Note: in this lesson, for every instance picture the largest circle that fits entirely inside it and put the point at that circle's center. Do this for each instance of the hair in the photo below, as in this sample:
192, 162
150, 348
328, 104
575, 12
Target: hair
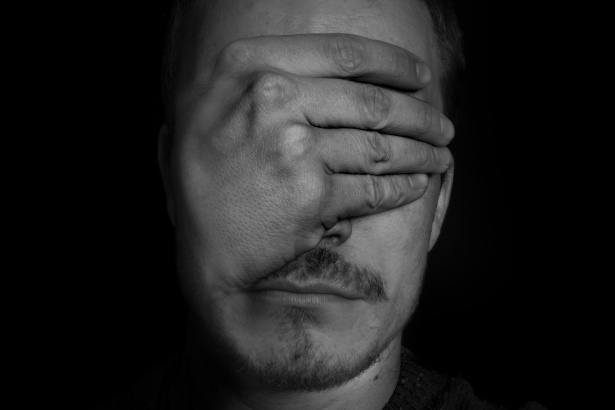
450, 50
445, 24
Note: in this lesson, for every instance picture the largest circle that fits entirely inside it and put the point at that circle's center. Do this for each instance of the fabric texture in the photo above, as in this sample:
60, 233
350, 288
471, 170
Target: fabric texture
418, 388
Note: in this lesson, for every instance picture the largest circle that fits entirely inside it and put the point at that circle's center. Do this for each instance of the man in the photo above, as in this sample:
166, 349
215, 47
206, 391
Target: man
302, 162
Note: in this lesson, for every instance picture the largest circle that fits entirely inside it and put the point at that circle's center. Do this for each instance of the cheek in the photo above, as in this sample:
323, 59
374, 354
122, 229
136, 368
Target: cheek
393, 240
403, 289
395, 244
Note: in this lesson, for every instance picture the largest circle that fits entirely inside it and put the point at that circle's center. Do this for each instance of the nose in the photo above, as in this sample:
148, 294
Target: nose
339, 233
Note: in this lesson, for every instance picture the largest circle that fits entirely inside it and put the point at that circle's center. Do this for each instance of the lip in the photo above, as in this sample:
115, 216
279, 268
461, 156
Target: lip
305, 291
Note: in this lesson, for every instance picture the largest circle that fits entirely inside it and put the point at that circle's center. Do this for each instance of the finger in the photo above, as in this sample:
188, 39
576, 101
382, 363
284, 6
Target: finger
352, 151
330, 55
360, 195
334, 103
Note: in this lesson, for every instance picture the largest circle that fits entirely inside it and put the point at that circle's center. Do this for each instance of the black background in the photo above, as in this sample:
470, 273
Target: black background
492, 305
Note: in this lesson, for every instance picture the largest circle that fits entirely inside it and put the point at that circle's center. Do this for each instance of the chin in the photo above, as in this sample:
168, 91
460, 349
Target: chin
298, 355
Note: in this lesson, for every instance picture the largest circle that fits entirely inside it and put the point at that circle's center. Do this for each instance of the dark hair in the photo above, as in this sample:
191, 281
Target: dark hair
450, 49
445, 25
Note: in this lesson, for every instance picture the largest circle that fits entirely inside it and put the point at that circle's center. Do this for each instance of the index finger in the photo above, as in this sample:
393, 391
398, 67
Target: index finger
331, 55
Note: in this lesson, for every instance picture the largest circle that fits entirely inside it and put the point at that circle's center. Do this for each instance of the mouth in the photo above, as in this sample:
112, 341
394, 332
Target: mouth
286, 292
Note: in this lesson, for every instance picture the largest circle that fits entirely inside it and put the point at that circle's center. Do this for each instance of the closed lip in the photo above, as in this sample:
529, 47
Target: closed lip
306, 288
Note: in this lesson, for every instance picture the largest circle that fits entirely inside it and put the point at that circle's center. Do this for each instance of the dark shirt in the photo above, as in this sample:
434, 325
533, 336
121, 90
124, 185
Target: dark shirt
418, 388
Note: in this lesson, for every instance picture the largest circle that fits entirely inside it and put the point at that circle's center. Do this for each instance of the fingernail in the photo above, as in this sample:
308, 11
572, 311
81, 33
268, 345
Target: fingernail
446, 127
423, 73
419, 181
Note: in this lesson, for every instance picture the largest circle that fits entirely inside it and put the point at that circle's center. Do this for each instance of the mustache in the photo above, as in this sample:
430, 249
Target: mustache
324, 265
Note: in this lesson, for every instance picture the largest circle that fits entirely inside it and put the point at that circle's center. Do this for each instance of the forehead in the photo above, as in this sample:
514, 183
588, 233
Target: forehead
405, 23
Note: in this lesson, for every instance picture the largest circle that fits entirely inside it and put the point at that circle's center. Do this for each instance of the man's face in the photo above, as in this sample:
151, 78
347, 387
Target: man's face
321, 346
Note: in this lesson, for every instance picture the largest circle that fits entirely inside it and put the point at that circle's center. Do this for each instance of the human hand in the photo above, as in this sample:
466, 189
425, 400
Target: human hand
292, 134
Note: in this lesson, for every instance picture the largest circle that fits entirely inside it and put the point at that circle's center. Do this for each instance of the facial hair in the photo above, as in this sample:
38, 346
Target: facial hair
303, 364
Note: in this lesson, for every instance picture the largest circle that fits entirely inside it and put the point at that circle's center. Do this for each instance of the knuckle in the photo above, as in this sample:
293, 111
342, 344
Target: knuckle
273, 89
237, 53
345, 53
374, 191
294, 143
402, 64
427, 119
423, 156
378, 149
397, 192
376, 106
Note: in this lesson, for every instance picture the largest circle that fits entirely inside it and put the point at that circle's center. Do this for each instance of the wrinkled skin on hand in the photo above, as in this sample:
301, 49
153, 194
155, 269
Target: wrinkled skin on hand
276, 151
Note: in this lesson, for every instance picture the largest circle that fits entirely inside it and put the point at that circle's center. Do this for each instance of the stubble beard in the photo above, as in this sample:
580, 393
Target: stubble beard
297, 359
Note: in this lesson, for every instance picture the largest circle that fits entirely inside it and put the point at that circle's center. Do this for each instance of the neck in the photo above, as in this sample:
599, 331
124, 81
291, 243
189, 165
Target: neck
202, 385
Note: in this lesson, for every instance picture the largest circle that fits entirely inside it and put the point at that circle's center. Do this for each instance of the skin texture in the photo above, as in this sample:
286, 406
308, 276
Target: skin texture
234, 220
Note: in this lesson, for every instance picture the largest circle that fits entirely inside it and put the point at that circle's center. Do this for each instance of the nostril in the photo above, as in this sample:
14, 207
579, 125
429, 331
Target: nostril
339, 234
